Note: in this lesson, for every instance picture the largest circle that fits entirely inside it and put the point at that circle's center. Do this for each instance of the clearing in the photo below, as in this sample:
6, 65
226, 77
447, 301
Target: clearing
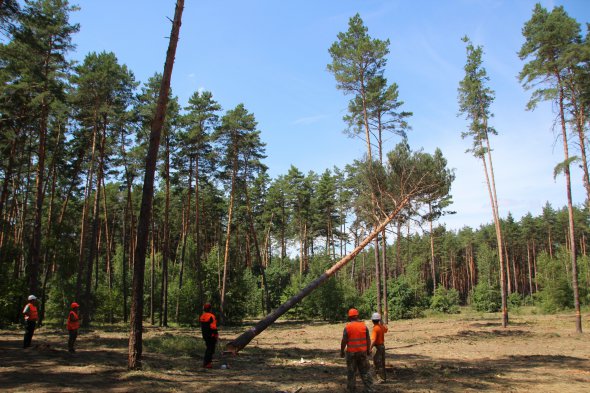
460, 353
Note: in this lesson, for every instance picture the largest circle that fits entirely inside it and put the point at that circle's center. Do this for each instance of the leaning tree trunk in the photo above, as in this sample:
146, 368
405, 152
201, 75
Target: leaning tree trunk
135, 335
243, 340
493, 199
166, 250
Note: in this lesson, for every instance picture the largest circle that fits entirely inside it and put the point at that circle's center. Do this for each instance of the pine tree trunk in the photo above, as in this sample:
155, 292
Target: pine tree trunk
570, 210
228, 234
135, 336
166, 250
385, 315
432, 266
198, 235
377, 275
86, 206
503, 286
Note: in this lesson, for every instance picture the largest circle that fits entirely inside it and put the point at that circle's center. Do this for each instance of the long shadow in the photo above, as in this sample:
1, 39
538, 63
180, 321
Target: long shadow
488, 374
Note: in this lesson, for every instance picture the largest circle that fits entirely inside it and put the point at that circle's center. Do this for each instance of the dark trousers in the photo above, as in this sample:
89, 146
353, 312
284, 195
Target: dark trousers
72, 340
210, 343
29, 331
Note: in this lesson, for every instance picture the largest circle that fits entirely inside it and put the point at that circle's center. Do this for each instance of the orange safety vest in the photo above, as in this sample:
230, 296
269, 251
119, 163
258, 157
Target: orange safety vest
32, 313
208, 318
356, 333
75, 325
378, 334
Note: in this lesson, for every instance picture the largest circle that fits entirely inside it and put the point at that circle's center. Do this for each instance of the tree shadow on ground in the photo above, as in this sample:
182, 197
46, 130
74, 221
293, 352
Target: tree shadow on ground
483, 375
101, 364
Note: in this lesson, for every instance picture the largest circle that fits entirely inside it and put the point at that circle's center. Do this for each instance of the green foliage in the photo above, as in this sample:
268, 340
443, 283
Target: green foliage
277, 279
405, 301
556, 293
11, 297
515, 300
302, 309
330, 301
486, 298
487, 265
445, 301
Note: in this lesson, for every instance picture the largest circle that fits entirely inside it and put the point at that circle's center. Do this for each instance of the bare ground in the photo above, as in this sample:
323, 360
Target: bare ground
464, 353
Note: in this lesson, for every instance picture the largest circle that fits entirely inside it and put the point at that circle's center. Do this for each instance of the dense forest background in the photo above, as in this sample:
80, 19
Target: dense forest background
73, 141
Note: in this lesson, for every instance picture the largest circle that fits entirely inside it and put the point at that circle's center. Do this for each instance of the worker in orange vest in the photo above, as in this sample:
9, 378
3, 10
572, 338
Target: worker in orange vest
210, 334
357, 342
73, 324
31, 318
378, 341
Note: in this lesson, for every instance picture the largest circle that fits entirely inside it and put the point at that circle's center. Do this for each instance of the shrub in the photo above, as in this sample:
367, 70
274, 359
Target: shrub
445, 301
485, 298
556, 292
515, 300
405, 302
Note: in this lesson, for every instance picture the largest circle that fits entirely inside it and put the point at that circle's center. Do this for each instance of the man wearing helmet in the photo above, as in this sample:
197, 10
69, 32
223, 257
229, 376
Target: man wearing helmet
31, 317
357, 342
73, 324
378, 341
210, 334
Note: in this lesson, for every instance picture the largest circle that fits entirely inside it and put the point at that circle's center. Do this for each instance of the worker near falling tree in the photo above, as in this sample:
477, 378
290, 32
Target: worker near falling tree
378, 341
210, 334
357, 343
73, 324
31, 317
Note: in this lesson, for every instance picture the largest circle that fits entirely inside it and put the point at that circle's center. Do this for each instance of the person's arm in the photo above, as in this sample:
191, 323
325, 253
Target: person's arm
213, 322
373, 338
26, 310
343, 343
369, 345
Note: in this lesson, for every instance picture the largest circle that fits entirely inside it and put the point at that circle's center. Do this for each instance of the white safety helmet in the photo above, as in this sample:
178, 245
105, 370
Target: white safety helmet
32, 297
376, 317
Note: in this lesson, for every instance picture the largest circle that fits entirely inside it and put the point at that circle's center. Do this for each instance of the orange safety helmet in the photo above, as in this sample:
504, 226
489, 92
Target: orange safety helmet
207, 307
353, 312
75, 305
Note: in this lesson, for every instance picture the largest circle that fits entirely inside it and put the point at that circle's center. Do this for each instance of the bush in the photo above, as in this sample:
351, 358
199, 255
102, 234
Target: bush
329, 302
485, 298
556, 293
405, 302
445, 301
515, 300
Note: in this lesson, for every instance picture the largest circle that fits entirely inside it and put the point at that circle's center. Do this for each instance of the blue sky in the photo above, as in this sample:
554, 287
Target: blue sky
272, 56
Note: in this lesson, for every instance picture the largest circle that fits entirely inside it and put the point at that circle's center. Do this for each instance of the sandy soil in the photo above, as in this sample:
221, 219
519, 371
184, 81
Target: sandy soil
464, 353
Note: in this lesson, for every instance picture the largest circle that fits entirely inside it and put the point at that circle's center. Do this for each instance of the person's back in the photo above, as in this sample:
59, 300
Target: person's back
356, 341
209, 332
31, 316
378, 341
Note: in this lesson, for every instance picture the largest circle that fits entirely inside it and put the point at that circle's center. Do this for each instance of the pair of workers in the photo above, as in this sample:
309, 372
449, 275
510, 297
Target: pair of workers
31, 316
358, 345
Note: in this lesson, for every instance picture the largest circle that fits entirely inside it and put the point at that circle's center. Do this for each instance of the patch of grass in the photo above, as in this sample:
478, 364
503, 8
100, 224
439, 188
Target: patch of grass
177, 346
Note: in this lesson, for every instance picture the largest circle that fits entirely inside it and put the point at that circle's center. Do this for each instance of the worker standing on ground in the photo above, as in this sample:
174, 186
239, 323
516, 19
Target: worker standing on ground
31, 318
210, 334
378, 341
357, 342
73, 324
